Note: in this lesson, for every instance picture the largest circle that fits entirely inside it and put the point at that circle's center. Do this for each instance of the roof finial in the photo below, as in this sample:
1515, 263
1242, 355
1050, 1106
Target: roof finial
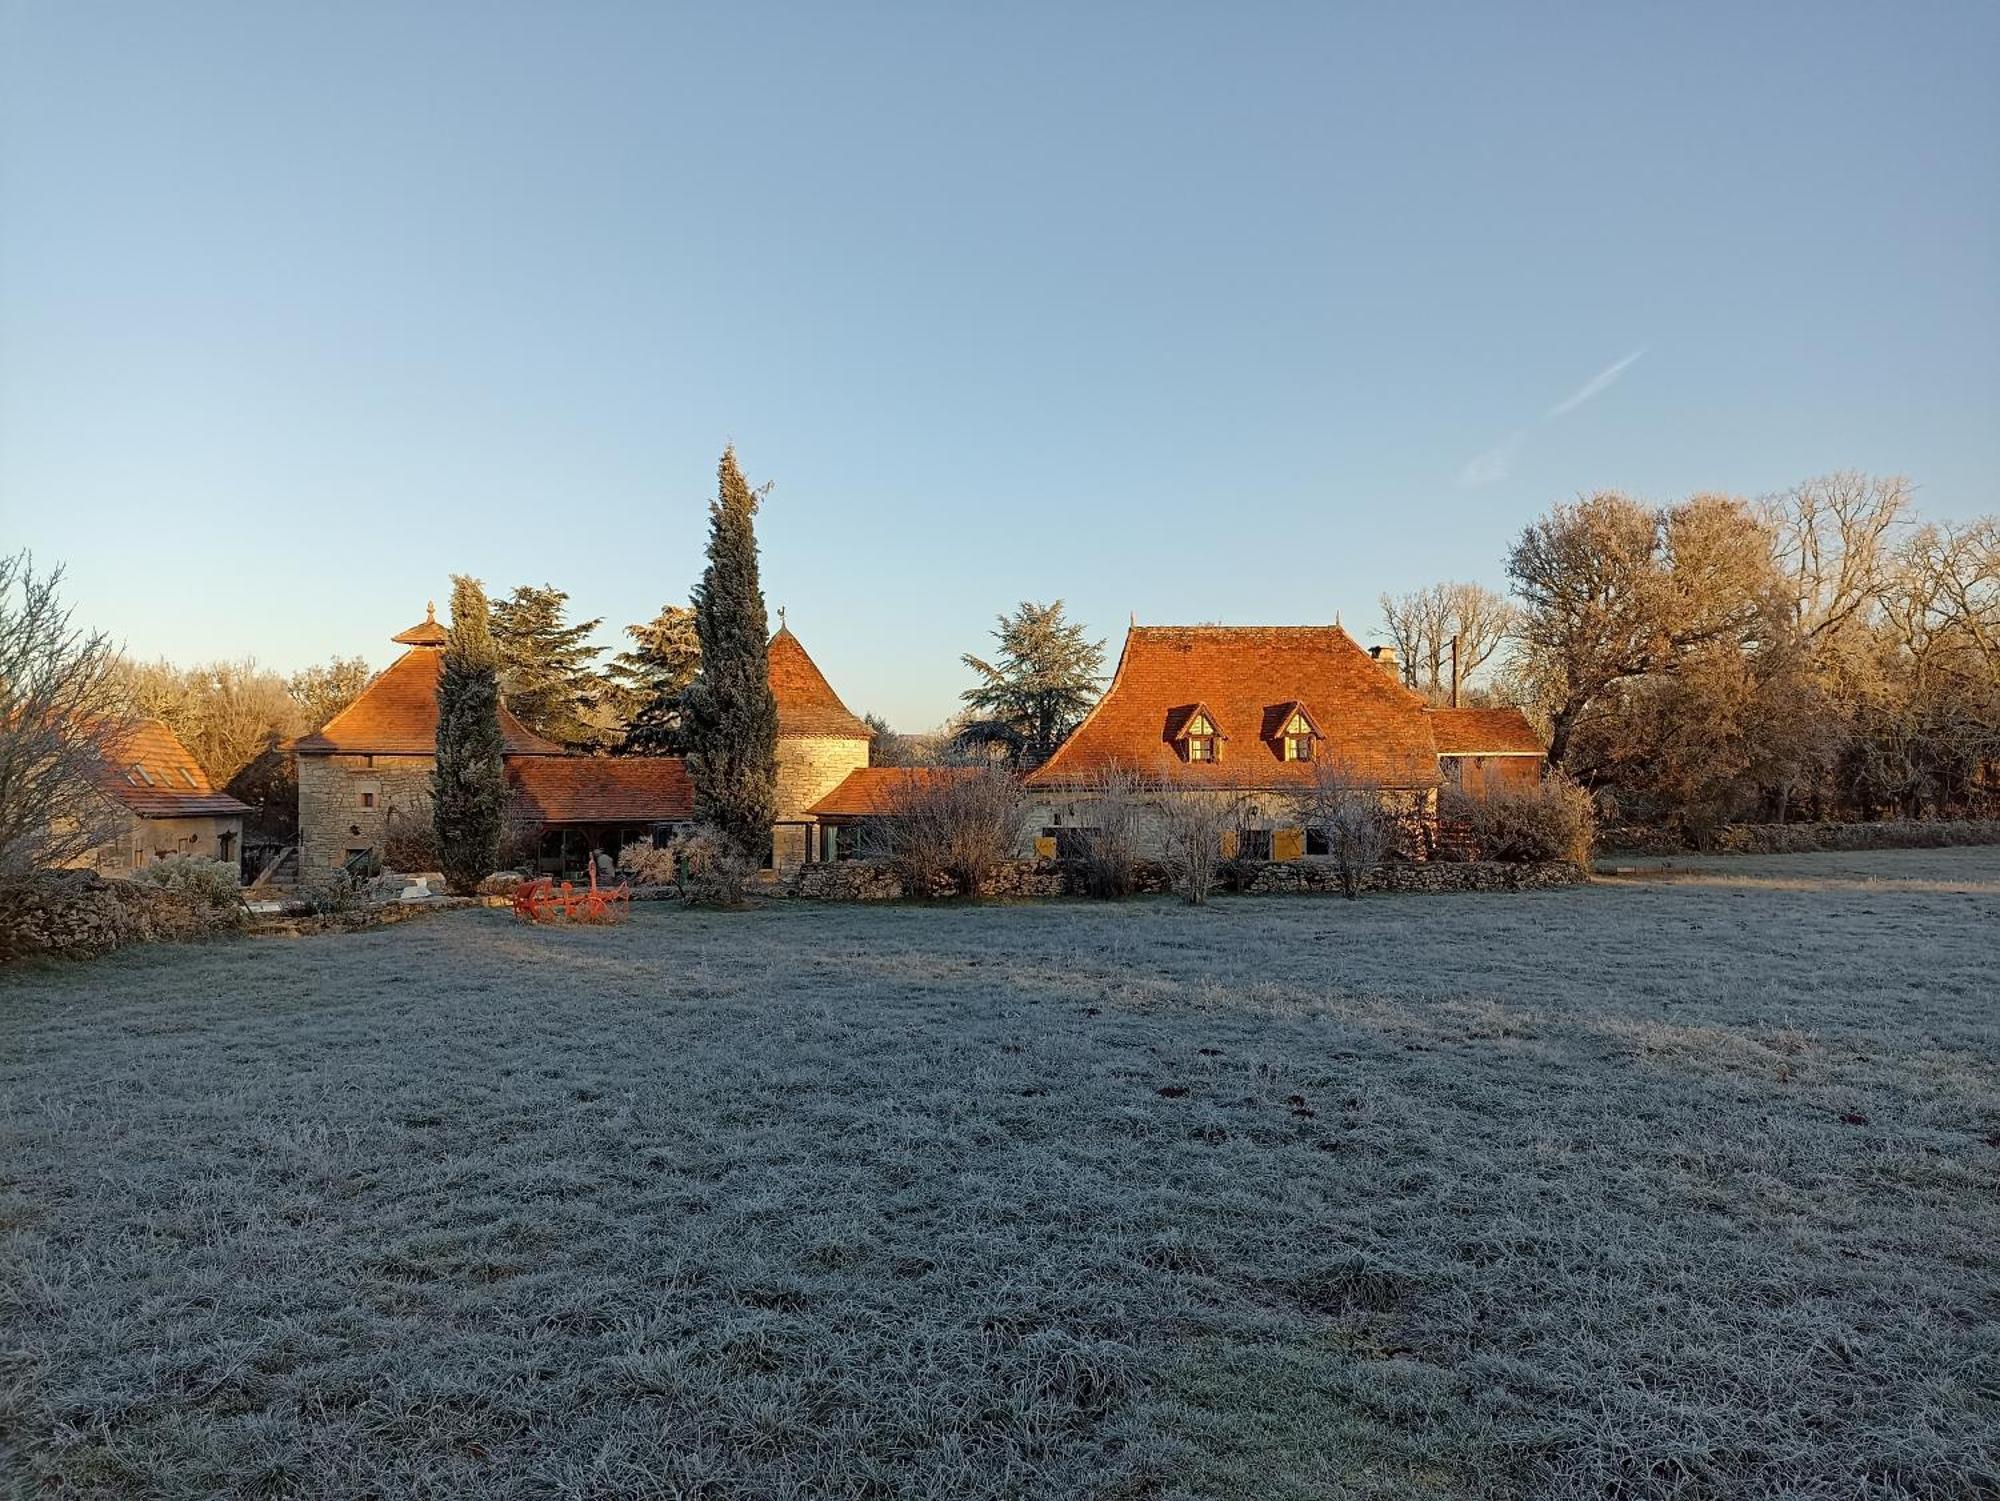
781, 617
1135, 620
430, 611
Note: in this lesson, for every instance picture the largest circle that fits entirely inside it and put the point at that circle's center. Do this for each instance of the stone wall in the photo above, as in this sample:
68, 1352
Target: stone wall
875, 881
75, 914
1266, 810
141, 841
811, 767
333, 821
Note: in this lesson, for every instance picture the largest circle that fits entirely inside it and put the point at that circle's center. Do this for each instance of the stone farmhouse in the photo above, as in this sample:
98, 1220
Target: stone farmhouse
1251, 713
162, 802
1257, 714
369, 767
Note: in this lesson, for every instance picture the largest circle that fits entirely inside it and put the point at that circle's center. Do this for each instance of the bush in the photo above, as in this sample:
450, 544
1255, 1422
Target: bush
411, 843
714, 872
951, 828
1350, 814
649, 865
215, 883
1193, 832
338, 891
1117, 810
1553, 820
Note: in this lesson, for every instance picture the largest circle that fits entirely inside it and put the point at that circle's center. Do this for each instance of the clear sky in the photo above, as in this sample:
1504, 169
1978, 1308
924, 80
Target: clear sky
1240, 313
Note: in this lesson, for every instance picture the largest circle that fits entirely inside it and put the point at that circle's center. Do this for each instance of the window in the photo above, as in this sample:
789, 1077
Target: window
367, 799
1254, 844
225, 847
1316, 841
1298, 737
1199, 739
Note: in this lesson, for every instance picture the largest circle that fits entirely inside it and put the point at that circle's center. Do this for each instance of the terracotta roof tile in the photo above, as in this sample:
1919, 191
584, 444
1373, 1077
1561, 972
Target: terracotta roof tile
1372, 726
807, 704
149, 771
396, 715
874, 790
600, 789
1485, 732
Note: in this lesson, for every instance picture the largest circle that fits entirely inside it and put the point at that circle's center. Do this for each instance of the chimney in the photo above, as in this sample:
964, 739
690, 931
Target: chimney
1385, 658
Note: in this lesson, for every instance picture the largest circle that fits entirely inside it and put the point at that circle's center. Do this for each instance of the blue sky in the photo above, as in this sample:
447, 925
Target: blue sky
1238, 313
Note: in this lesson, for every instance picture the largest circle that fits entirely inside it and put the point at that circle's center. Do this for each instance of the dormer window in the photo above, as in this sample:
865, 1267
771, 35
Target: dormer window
1196, 736
1299, 738
1291, 732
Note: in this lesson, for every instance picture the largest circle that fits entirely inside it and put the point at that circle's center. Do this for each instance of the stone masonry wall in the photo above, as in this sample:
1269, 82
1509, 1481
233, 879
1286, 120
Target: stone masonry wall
810, 768
333, 821
874, 881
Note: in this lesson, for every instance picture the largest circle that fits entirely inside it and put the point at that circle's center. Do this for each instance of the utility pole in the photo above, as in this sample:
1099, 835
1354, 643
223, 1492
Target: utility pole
1454, 669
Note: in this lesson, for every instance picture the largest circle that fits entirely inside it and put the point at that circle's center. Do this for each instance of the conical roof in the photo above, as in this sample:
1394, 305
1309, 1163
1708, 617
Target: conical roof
429, 633
397, 714
807, 705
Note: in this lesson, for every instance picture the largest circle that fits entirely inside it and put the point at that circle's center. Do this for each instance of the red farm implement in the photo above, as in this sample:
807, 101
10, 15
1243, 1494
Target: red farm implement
542, 900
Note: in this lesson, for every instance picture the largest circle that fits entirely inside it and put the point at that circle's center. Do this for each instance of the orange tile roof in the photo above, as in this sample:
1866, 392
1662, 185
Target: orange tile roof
396, 715
875, 790
807, 704
601, 789
1485, 732
1374, 728
149, 771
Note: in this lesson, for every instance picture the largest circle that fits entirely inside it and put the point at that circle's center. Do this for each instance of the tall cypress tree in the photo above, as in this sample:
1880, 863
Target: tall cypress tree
731, 721
468, 785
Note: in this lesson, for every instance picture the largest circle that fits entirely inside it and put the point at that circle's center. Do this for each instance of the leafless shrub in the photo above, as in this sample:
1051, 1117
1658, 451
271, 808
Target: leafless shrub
650, 864
1116, 806
1553, 820
1349, 813
410, 842
951, 825
1194, 832
53, 725
214, 883
713, 871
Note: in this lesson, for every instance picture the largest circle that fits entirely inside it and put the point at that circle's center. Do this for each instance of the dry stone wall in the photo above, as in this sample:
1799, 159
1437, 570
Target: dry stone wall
876, 881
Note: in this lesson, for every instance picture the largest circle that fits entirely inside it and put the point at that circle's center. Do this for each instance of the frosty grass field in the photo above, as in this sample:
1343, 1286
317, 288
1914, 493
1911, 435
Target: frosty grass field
1679, 1187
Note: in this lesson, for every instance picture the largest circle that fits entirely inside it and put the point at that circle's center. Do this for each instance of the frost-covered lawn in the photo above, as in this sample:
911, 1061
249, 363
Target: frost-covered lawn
1657, 1188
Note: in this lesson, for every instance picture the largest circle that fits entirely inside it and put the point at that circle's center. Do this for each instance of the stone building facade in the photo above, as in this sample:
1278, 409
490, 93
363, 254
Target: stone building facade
162, 803
820, 742
1259, 718
370, 766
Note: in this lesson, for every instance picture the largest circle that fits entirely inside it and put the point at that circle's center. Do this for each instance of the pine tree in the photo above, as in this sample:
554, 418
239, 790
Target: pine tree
547, 668
650, 681
731, 719
1042, 683
468, 786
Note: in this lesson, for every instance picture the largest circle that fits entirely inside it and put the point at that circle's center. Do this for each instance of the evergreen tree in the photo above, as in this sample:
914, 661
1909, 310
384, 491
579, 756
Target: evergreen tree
548, 668
468, 786
649, 681
1041, 684
731, 719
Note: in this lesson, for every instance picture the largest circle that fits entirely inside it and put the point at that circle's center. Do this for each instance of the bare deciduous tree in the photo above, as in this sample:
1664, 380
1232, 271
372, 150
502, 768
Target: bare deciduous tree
1349, 813
1424, 624
955, 825
1116, 804
1193, 830
55, 719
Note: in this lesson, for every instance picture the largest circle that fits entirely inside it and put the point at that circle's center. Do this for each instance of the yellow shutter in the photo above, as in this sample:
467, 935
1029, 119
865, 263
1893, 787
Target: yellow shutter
1229, 844
1287, 844
1045, 847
